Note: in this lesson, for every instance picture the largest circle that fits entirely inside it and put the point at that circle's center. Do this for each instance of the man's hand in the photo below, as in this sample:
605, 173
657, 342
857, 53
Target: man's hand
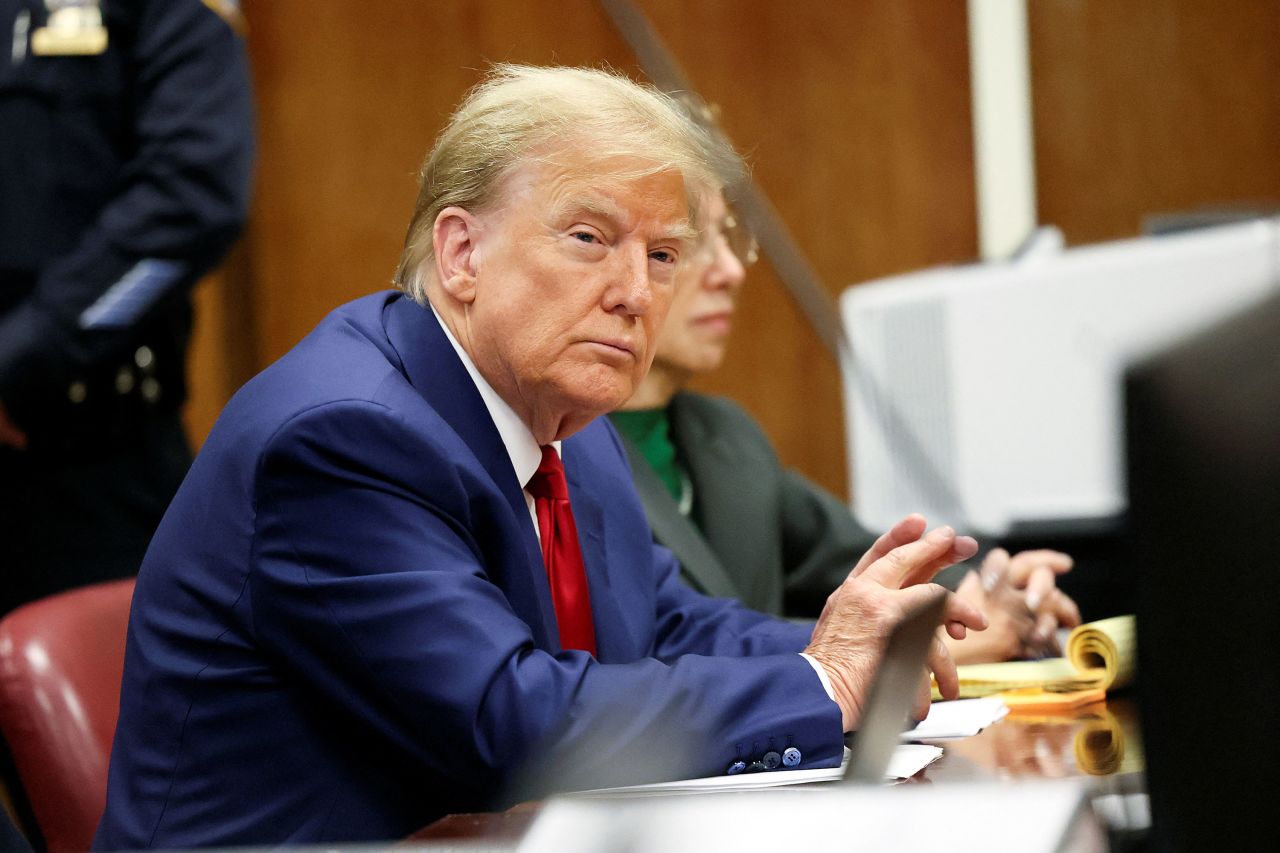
10, 434
909, 530
890, 582
1023, 604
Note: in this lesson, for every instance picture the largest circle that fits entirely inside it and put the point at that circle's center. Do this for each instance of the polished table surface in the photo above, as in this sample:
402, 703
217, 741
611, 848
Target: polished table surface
1099, 741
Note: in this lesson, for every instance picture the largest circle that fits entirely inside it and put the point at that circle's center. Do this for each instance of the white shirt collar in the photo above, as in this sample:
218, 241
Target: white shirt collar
522, 447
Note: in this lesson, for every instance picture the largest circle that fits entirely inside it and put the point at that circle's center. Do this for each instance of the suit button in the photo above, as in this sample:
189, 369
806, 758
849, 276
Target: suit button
736, 767
755, 767
771, 760
790, 757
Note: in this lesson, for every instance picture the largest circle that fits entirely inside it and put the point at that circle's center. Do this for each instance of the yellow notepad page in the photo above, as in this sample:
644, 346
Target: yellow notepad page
1099, 654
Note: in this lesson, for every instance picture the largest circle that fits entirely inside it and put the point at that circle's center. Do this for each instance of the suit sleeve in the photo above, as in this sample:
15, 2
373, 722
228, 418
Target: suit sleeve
369, 586
690, 622
179, 202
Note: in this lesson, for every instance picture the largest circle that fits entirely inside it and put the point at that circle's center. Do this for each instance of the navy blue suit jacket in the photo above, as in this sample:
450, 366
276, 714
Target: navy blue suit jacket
343, 628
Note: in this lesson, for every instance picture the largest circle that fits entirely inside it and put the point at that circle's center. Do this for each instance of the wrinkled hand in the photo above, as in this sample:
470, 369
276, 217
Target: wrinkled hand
10, 434
1023, 604
890, 582
909, 530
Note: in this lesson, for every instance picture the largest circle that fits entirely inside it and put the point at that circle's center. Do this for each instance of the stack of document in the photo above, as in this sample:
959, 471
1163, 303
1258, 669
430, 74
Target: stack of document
962, 718
1099, 654
908, 760
946, 720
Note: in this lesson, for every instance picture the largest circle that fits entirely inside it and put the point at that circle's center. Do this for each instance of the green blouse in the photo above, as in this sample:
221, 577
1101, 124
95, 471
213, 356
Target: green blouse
650, 431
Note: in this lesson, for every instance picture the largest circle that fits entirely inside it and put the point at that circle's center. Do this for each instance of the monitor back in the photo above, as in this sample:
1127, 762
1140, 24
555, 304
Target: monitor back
989, 396
1204, 481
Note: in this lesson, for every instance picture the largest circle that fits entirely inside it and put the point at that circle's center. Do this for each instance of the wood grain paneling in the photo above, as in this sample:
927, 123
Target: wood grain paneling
224, 346
1153, 106
854, 115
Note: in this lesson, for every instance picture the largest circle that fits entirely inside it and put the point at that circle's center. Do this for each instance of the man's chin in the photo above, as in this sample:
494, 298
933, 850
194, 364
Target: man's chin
580, 403
599, 402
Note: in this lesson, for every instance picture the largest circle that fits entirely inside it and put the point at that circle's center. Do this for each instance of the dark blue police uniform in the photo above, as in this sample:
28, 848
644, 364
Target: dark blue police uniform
124, 176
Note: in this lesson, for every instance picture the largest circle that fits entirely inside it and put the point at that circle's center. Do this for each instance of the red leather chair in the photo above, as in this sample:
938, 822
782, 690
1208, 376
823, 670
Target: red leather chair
61, 659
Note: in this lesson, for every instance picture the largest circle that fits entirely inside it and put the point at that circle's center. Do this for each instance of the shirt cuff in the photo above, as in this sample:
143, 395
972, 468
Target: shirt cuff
822, 676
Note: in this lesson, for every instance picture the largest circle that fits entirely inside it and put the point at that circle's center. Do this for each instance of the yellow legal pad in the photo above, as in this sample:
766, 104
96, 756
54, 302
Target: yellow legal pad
1099, 655
1038, 700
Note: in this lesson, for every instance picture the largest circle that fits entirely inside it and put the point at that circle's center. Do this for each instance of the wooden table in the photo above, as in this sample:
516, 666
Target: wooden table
1100, 741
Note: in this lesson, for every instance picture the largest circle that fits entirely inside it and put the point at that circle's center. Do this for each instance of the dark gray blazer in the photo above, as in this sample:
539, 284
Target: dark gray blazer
768, 536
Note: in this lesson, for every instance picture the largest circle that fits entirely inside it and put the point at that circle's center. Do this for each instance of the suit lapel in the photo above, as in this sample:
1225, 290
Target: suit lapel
739, 520
677, 532
436, 372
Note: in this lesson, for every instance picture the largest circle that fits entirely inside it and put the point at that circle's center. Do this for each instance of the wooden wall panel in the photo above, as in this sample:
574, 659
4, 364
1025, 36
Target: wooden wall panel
1153, 106
224, 346
855, 116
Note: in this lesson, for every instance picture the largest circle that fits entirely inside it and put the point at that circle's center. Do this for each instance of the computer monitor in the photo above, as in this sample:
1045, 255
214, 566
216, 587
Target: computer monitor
1203, 439
989, 396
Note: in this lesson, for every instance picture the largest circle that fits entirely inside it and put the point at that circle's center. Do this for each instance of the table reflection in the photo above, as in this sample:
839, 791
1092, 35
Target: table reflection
1097, 740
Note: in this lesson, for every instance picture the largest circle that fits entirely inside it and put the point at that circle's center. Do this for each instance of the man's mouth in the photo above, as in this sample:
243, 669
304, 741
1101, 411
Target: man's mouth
618, 345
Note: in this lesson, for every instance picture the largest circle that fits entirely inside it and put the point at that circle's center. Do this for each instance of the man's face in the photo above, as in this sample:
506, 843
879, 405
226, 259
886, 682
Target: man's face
575, 271
694, 338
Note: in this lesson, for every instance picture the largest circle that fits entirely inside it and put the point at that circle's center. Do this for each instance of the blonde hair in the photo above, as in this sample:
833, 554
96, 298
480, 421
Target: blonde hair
522, 113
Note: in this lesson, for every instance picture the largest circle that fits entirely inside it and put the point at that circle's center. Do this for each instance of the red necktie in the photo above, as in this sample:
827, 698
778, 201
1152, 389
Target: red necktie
560, 551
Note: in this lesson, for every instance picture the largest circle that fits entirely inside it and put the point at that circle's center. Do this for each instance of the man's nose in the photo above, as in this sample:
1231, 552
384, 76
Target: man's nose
630, 288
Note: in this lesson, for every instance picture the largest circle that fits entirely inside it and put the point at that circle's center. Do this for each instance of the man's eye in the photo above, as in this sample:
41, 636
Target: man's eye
585, 237
663, 256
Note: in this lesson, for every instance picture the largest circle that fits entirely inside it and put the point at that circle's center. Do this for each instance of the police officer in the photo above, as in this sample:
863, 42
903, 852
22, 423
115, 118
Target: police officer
126, 145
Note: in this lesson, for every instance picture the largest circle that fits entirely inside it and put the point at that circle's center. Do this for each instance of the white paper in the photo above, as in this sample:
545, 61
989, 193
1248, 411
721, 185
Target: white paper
961, 718
908, 760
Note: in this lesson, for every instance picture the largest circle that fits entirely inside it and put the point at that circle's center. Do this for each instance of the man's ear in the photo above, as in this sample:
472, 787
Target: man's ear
454, 236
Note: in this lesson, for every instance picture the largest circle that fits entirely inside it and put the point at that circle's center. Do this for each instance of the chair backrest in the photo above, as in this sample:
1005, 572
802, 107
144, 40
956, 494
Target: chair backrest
61, 661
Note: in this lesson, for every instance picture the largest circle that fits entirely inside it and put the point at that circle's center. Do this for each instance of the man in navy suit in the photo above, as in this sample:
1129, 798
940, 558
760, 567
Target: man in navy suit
346, 627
